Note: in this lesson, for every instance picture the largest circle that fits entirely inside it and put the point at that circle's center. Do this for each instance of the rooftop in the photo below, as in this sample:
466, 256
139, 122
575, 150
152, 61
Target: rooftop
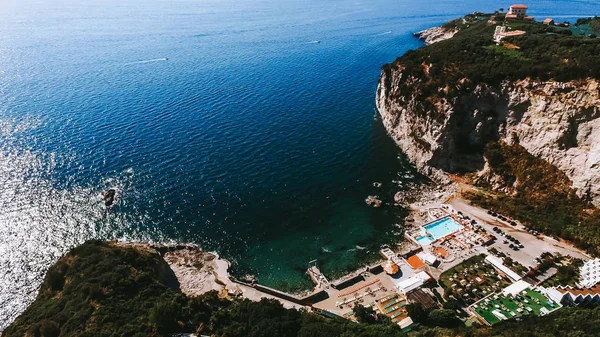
513, 33
497, 262
588, 291
519, 6
415, 262
497, 308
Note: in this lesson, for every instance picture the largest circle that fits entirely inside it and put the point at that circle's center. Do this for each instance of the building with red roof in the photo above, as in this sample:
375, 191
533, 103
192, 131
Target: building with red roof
519, 10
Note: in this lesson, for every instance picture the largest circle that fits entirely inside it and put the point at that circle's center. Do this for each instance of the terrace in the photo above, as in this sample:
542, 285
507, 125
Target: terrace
393, 306
473, 279
499, 307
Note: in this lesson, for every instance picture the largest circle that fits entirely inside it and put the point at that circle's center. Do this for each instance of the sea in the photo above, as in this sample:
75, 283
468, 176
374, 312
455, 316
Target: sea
248, 127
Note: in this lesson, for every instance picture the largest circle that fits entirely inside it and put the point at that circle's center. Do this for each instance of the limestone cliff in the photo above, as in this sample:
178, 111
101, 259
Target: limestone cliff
556, 121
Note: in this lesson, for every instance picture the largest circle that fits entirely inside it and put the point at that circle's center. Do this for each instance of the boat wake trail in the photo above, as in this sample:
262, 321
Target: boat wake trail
148, 61
314, 42
384, 33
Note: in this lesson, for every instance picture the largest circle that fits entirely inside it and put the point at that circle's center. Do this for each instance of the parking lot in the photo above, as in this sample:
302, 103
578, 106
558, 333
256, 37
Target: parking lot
533, 246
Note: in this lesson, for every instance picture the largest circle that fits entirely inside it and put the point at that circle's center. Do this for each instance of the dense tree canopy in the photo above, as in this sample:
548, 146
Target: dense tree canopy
117, 291
542, 53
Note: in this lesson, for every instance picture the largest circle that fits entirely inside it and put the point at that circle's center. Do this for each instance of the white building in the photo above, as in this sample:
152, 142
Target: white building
497, 262
519, 10
413, 282
516, 288
429, 258
501, 33
571, 295
589, 273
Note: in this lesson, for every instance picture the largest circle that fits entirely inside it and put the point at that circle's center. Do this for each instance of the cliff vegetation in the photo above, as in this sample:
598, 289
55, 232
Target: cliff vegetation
537, 193
544, 53
100, 289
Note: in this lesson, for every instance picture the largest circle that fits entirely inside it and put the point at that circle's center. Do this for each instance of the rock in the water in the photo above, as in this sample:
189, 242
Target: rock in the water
376, 184
108, 196
373, 200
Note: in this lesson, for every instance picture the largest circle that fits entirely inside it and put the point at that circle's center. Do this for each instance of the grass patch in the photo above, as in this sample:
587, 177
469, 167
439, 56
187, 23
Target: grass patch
468, 271
509, 305
502, 50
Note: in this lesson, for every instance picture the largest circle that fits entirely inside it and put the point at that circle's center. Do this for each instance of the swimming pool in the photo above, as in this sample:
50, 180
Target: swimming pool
424, 240
442, 227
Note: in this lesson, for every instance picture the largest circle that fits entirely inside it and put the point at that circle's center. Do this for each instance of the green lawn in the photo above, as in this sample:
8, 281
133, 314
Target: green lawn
485, 310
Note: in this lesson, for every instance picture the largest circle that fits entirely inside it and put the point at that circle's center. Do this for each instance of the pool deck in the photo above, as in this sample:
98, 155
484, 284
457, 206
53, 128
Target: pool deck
425, 240
459, 245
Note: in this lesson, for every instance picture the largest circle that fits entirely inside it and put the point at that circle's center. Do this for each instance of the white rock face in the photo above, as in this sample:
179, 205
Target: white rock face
435, 34
562, 126
556, 121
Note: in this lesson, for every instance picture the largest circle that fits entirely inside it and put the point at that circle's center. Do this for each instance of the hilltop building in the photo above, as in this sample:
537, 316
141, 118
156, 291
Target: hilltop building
518, 11
501, 33
548, 21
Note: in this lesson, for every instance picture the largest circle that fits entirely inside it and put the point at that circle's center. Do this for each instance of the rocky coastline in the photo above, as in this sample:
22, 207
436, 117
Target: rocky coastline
556, 121
197, 271
435, 34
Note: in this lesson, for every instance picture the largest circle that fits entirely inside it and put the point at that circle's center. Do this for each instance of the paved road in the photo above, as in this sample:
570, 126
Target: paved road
534, 246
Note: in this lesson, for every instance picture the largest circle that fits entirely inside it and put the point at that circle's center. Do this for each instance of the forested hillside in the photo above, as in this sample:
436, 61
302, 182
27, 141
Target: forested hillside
100, 289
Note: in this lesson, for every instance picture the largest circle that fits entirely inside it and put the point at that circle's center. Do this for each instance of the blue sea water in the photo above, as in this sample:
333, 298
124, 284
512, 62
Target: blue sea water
248, 127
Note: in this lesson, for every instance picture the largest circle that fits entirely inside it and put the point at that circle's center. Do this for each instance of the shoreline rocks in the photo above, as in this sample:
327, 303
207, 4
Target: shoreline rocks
558, 122
435, 34
373, 201
196, 270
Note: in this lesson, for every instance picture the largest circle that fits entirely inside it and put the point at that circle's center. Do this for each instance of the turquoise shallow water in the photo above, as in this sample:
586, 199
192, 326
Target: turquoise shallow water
248, 127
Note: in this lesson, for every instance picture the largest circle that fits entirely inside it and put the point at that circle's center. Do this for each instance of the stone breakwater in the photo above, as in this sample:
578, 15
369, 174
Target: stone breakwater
556, 121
